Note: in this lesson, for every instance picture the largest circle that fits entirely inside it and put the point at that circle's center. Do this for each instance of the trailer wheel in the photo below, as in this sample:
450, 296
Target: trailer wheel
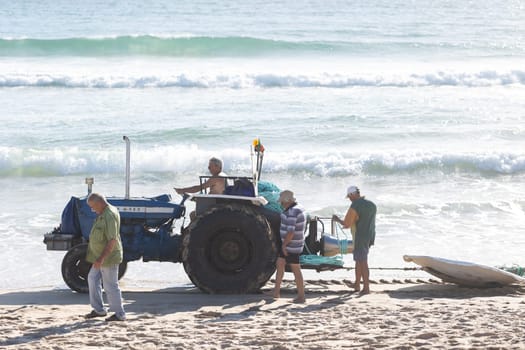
229, 249
75, 268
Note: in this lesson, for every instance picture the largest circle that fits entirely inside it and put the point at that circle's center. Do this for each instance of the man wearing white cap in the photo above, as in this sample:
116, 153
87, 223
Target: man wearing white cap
362, 214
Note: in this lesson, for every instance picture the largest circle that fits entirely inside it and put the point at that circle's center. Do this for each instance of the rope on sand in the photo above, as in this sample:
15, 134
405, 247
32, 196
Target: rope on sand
381, 281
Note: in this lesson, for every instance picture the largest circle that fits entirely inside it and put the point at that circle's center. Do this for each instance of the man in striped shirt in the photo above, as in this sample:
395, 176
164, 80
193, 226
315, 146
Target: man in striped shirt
292, 243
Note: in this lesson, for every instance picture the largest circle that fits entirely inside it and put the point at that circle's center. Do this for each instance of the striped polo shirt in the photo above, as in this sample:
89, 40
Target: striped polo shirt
293, 220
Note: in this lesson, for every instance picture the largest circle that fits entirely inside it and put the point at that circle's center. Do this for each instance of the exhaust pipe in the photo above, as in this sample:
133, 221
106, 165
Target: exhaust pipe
126, 139
89, 182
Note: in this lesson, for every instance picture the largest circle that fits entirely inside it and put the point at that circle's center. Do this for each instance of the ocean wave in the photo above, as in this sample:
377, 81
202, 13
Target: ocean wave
447, 210
188, 46
191, 159
235, 46
268, 80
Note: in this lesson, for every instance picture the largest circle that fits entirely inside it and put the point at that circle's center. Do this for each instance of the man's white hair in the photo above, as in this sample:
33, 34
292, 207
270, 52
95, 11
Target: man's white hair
97, 197
287, 196
216, 161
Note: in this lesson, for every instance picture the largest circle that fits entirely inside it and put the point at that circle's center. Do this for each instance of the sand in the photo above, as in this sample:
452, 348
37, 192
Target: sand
393, 316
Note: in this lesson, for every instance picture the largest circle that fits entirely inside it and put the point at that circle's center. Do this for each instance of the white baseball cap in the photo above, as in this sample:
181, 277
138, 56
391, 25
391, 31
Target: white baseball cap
351, 190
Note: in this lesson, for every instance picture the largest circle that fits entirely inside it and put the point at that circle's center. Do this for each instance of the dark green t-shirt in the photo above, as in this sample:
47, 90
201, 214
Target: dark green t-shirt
105, 228
366, 225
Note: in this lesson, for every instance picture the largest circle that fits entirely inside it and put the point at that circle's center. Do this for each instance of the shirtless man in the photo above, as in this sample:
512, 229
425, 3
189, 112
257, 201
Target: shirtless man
215, 184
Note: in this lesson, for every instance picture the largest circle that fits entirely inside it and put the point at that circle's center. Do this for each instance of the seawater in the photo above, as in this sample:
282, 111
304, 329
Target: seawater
421, 105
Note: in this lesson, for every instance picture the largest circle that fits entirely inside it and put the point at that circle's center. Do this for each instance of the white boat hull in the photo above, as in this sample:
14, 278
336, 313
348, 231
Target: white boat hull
464, 273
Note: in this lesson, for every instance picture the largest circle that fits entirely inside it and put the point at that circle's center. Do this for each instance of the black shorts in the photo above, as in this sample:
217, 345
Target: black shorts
290, 258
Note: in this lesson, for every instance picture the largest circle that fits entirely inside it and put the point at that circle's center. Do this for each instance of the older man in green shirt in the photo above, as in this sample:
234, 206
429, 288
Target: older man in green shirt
105, 253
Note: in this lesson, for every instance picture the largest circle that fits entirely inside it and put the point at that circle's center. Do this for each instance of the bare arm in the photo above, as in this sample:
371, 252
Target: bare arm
191, 189
287, 240
350, 219
210, 183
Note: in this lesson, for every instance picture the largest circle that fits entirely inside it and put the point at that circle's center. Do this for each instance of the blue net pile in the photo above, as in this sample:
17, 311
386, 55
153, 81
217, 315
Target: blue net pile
271, 193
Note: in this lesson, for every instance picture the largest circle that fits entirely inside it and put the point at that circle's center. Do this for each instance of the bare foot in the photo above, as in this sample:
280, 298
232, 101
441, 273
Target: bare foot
364, 292
353, 286
299, 300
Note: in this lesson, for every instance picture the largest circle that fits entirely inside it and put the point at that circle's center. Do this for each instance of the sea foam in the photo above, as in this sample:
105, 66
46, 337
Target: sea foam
183, 159
266, 80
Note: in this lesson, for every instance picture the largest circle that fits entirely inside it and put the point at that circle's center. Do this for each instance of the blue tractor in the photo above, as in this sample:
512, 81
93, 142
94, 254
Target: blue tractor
230, 245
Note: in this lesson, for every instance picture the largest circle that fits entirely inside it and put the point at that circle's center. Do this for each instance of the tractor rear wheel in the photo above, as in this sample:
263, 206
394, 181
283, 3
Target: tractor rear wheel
229, 249
75, 268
